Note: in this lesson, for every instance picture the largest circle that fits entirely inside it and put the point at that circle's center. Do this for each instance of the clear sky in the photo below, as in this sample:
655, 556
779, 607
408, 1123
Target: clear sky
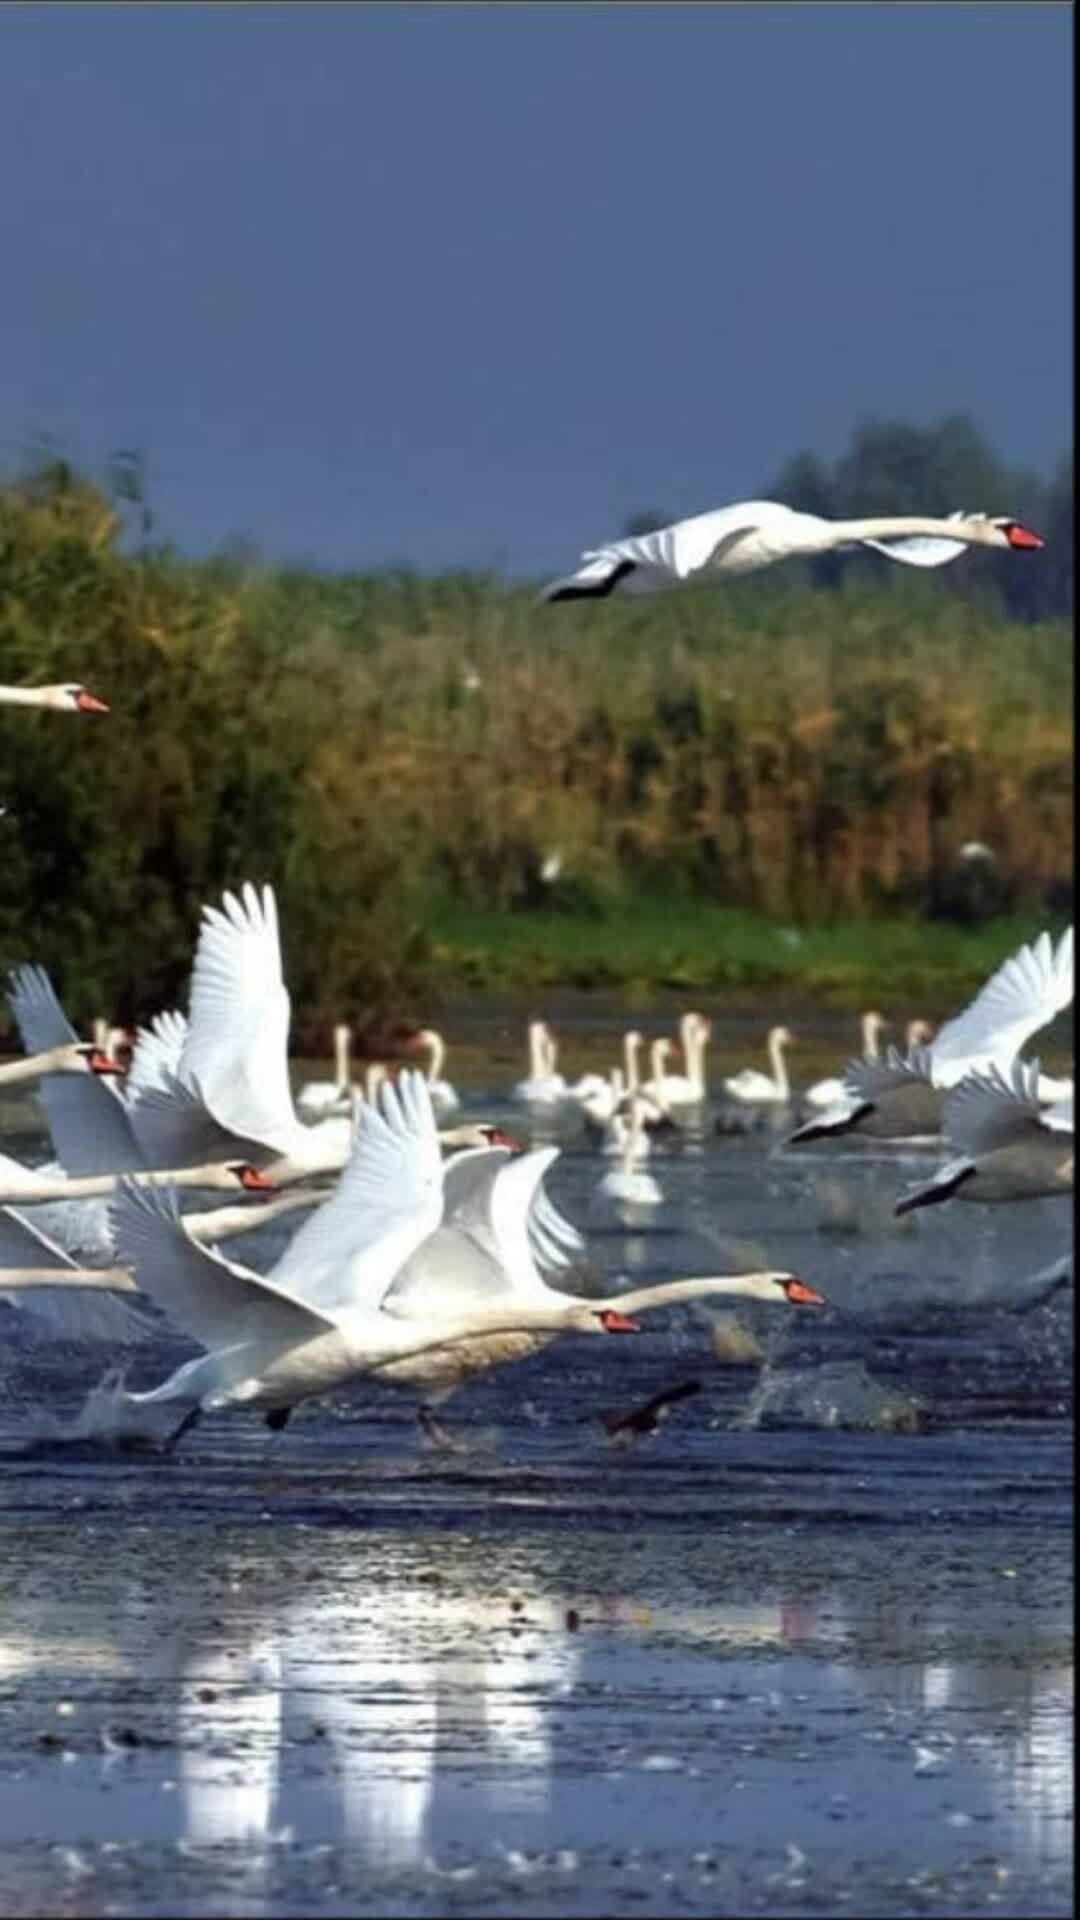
468, 284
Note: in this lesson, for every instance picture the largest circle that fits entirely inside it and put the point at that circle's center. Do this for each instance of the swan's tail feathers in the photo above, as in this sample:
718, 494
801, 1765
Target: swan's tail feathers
944, 1184
595, 579
920, 549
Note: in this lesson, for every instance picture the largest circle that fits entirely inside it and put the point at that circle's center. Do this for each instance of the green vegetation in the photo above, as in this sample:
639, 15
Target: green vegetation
405, 758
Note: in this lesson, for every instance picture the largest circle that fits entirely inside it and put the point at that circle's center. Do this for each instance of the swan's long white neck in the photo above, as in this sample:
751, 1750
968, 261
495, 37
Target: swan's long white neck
631, 1050
871, 1026
110, 1279
838, 533
536, 1050
436, 1056
738, 1286
693, 1037
30, 697
342, 1063
93, 1186
54, 1060
775, 1045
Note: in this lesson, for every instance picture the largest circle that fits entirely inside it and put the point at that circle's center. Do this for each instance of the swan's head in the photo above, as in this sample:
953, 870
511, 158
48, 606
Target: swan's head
73, 698
777, 1287
98, 1059
997, 530
1018, 537
610, 1320
782, 1037
249, 1177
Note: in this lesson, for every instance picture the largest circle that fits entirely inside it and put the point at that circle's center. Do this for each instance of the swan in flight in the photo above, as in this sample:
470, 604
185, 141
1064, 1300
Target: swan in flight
319, 1317
348, 1298
753, 1086
1008, 1146
826, 1093
68, 697
900, 1097
756, 533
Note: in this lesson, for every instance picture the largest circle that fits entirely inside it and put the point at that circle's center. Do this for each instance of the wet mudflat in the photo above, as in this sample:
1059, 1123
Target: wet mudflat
786, 1656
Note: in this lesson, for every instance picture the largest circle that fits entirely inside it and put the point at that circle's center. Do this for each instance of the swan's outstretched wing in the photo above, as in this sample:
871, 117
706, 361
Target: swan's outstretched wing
157, 1052
1025, 993
921, 549
216, 1301
867, 1080
175, 1128
996, 1108
554, 1240
235, 1054
512, 1198
387, 1201
89, 1125
70, 1313
468, 1179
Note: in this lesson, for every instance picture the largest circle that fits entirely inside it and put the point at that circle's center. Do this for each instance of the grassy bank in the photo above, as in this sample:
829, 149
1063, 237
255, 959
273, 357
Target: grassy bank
639, 948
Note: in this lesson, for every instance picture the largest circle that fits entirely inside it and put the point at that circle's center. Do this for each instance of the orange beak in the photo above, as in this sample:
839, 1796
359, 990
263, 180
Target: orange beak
99, 1062
614, 1322
500, 1138
89, 702
801, 1295
255, 1182
1023, 538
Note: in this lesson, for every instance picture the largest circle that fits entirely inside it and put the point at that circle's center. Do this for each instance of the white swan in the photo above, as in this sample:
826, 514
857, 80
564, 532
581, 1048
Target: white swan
68, 697
28, 1186
317, 1098
443, 1097
542, 1086
756, 533
627, 1190
668, 1090
600, 1104
1009, 1147
825, 1093
753, 1086
346, 1298
900, 1098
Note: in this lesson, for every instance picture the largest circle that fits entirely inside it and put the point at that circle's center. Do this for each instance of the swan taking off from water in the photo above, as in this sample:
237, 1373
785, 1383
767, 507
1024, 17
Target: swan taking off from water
900, 1098
1009, 1146
68, 697
757, 533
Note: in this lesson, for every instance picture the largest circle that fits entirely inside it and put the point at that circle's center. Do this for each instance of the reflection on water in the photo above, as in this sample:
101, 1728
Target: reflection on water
423, 1699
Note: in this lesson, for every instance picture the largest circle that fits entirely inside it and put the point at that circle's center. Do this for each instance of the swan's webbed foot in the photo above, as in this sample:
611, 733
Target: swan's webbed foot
278, 1418
191, 1416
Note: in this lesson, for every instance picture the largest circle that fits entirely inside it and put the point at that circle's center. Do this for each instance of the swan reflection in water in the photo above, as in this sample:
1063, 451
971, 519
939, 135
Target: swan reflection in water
378, 1700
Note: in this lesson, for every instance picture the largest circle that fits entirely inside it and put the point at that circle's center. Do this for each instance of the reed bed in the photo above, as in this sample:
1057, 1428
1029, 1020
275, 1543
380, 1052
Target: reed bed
394, 751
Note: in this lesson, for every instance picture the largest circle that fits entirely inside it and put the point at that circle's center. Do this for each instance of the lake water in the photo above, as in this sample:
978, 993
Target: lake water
807, 1649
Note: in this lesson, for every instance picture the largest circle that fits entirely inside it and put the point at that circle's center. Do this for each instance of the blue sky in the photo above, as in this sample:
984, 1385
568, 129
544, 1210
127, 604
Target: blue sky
466, 285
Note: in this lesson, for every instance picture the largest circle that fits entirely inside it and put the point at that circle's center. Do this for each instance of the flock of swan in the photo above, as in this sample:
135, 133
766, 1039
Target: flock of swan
431, 1253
